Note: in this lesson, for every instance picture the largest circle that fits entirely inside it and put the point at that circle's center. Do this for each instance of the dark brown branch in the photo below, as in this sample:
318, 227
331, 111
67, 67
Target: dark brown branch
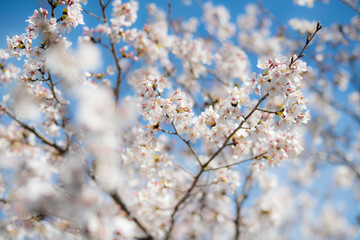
52, 88
113, 51
101, 43
308, 40
239, 205
171, 22
106, 4
267, 12
39, 135
237, 129
64, 121
51, 3
216, 76
355, 79
123, 206
197, 177
117, 199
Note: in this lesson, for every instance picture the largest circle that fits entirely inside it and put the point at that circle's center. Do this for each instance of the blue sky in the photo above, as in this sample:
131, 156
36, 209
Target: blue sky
14, 13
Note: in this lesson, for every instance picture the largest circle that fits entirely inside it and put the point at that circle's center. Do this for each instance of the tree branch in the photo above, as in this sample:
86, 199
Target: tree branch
197, 177
38, 134
258, 157
123, 206
93, 15
171, 22
117, 199
352, 6
113, 51
240, 203
188, 144
308, 40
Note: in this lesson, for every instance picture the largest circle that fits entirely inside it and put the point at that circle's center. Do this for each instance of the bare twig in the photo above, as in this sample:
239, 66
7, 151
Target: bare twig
51, 3
166, 131
258, 157
338, 105
171, 22
308, 40
93, 15
352, 6
239, 204
271, 16
64, 121
188, 144
216, 76
182, 168
52, 87
106, 4
113, 51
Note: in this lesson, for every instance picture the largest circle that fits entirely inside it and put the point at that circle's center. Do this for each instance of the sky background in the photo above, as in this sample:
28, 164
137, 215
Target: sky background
14, 13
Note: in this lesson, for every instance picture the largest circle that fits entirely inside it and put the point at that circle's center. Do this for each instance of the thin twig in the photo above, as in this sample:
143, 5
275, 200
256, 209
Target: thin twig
188, 144
104, 45
113, 51
352, 6
64, 121
182, 168
216, 76
124, 207
93, 15
308, 40
271, 16
106, 4
52, 8
258, 157
166, 131
240, 203
338, 105
269, 111
171, 22
52, 87
237, 129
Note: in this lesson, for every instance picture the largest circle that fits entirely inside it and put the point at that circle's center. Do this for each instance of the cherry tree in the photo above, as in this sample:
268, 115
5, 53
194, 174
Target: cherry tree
164, 130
